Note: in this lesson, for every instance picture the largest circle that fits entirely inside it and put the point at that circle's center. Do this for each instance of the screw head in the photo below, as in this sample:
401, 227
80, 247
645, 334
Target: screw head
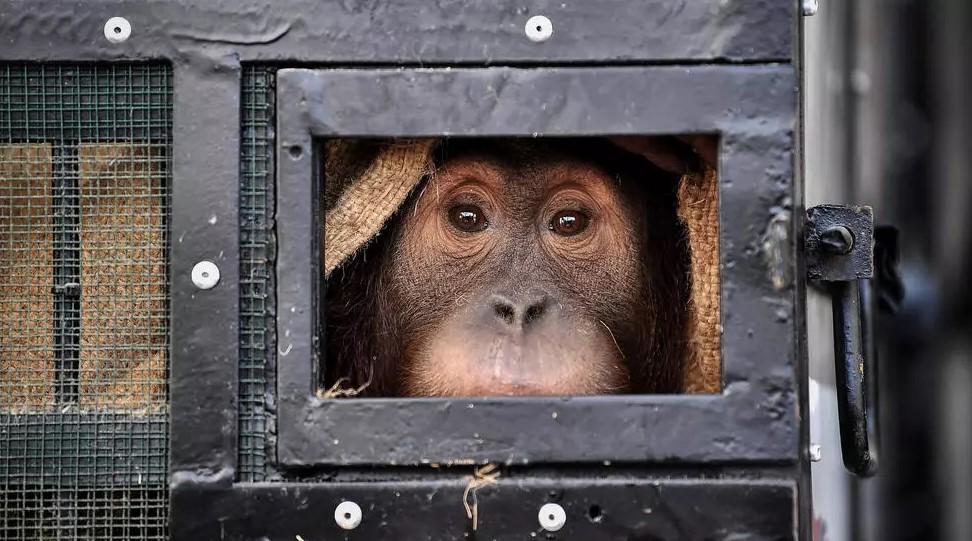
538, 28
118, 29
552, 517
347, 515
837, 240
205, 275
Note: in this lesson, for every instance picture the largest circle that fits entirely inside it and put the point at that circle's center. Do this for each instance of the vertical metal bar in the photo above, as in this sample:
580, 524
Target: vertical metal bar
67, 271
204, 373
804, 485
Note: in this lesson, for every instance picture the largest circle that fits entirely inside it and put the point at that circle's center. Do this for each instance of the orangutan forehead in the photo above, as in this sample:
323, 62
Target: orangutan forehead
530, 154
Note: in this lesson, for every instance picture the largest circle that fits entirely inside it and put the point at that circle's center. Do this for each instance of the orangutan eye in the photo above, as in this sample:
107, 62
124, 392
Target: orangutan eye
468, 218
568, 223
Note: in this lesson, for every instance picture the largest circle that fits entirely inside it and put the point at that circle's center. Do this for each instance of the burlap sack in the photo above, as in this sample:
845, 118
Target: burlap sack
26, 266
367, 181
123, 308
698, 207
124, 316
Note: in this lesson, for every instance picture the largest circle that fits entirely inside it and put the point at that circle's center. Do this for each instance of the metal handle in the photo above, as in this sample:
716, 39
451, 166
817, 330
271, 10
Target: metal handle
855, 371
840, 256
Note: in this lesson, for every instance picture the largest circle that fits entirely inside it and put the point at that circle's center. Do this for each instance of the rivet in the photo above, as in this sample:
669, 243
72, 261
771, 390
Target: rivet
809, 8
816, 452
552, 517
118, 29
205, 275
538, 28
347, 515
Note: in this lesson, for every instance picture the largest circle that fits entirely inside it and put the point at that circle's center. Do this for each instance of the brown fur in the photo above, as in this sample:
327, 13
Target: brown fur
415, 313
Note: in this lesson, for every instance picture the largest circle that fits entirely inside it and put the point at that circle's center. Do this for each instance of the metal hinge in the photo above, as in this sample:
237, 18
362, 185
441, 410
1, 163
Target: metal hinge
68, 289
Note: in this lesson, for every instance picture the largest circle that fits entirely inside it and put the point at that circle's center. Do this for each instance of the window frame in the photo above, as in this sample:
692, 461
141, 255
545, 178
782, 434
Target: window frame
752, 110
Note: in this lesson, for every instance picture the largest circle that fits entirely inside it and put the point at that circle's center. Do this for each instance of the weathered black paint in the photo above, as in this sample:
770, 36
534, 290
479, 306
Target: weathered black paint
826, 264
638, 509
402, 32
205, 226
207, 41
751, 108
858, 444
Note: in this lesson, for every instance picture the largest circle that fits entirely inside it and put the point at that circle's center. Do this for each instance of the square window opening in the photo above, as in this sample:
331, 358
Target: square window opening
517, 266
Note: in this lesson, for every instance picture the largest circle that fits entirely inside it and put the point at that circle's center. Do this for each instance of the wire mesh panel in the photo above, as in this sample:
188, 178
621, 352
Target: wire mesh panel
84, 338
27, 341
256, 288
122, 263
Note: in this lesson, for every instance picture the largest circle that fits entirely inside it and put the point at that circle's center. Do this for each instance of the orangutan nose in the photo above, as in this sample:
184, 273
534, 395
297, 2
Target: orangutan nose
520, 311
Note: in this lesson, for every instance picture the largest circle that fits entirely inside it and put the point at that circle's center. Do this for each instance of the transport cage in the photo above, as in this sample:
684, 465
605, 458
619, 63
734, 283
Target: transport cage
85, 182
160, 170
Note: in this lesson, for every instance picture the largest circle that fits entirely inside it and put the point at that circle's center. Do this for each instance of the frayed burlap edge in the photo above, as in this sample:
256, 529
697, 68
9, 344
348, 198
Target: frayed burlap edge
367, 182
698, 207
359, 200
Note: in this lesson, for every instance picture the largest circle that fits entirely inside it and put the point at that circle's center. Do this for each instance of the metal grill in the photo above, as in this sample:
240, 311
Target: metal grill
256, 287
84, 338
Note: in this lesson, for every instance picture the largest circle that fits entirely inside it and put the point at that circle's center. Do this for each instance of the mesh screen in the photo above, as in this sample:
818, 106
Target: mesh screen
84, 199
256, 287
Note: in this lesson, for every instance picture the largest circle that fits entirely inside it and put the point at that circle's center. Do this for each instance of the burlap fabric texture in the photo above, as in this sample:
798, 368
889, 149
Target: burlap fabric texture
366, 182
122, 317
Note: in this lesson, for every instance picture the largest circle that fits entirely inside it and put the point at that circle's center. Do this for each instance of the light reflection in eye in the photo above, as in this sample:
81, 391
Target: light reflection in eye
468, 218
568, 223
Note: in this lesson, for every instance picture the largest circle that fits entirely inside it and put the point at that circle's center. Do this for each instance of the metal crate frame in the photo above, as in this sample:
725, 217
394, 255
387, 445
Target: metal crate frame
207, 43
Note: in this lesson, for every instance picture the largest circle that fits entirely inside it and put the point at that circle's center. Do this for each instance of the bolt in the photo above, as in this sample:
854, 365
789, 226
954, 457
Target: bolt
810, 8
837, 240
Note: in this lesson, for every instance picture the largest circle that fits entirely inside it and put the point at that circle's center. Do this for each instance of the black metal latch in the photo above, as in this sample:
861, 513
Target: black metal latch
840, 257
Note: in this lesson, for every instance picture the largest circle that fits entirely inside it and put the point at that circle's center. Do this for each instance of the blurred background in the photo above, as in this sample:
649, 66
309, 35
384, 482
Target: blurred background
889, 124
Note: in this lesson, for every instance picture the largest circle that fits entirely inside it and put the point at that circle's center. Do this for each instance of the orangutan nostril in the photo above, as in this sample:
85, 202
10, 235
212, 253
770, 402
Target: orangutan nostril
504, 311
534, 312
